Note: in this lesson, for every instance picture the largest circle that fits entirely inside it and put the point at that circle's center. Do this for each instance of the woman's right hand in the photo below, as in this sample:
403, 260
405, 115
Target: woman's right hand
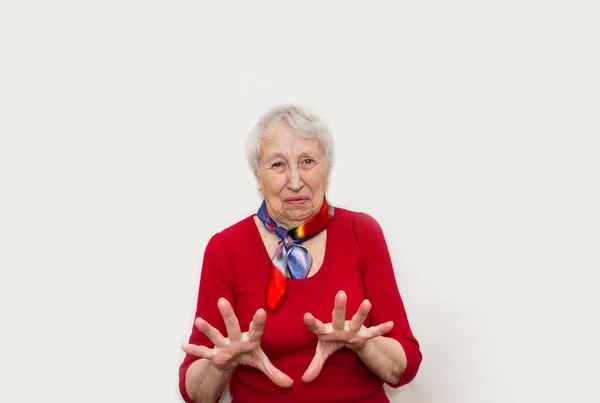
237, 347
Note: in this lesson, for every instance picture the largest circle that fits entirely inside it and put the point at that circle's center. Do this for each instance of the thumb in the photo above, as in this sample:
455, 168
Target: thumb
314, 369
273, 373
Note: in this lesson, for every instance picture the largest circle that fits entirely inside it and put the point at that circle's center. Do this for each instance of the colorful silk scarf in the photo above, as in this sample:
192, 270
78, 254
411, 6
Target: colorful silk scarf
290, 255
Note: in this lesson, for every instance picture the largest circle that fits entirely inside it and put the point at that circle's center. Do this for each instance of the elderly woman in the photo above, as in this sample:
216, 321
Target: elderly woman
268, 285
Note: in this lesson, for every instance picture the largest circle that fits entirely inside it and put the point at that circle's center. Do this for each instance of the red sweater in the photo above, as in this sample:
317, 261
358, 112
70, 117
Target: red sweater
236, 266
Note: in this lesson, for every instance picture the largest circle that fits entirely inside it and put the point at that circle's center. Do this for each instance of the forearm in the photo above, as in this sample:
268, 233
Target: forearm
385, 357
204, 382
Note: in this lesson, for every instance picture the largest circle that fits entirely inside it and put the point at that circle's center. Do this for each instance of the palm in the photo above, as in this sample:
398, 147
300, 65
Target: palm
340, 333
237, 348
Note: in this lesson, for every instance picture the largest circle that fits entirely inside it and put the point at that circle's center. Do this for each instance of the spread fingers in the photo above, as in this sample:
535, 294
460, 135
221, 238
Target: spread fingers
212, 333
199, 351
231, 321
359, 317
314, 324
257, 326
339, 311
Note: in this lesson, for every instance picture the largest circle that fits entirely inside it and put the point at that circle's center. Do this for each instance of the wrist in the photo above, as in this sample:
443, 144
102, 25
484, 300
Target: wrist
362, 348
224, 369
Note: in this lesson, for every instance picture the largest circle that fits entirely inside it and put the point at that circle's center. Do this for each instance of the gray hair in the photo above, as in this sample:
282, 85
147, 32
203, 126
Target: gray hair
303, 123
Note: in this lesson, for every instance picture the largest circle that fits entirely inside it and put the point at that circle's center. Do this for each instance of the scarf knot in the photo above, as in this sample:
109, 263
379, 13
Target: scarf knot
290, 256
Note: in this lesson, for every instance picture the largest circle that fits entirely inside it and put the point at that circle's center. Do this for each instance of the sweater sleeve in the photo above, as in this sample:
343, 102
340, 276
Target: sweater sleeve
381, 290
216, 281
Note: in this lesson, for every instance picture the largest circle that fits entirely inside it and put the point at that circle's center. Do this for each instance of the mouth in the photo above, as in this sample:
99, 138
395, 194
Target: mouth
297, 200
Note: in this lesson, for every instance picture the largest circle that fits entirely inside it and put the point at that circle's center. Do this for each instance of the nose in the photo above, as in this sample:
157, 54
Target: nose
295, 182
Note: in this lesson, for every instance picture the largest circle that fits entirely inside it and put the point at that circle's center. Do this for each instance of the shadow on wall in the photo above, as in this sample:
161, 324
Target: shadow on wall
458, 338
226, 396
414, 392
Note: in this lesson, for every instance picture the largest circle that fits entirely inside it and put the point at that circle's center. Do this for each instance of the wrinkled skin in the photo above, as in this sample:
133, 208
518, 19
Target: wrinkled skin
237, 348
340, 333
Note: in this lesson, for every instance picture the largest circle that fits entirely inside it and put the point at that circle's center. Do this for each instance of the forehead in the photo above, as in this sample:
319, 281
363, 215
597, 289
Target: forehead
281, 139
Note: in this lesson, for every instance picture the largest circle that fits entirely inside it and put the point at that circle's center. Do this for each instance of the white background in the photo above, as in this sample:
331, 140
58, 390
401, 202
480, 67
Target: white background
468, 129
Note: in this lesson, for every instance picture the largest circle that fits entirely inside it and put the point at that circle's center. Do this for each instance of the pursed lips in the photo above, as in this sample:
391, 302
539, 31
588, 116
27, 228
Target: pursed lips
297, 200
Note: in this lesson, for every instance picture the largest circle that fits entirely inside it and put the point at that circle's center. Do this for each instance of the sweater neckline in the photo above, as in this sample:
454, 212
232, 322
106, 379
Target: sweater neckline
291, 281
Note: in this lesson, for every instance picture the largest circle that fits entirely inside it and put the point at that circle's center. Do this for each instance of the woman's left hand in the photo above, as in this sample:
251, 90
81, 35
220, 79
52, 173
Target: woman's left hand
340, 333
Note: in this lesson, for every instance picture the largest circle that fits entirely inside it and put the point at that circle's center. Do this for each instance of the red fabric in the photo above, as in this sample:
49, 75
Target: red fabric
316, 223
236, 266
277, 288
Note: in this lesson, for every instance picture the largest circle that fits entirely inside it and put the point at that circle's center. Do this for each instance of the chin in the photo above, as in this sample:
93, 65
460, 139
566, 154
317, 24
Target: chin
299, 214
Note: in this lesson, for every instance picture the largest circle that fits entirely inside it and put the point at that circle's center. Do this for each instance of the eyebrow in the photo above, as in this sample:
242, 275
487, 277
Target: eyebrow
276, 155
282, 156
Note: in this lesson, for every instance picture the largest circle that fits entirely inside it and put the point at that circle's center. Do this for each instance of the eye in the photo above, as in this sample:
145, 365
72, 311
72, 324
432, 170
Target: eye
307, 161
278, 164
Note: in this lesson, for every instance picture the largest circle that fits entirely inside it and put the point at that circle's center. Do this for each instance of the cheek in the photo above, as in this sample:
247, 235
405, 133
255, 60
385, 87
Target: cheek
274, 183
317, 182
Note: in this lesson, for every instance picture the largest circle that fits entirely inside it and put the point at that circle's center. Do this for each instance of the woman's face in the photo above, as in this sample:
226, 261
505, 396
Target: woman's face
292, 175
